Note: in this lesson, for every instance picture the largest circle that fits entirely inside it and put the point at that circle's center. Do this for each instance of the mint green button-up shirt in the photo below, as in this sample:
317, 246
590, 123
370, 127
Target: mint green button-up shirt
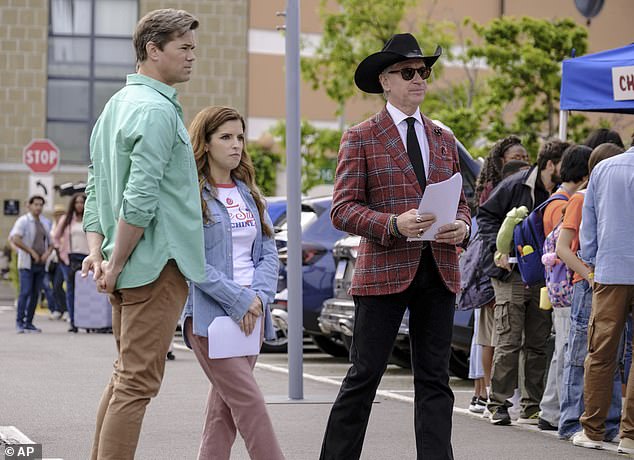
143, 171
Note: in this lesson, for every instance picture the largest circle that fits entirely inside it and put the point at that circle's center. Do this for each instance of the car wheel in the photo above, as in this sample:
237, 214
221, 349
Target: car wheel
329, 346
280, 324
459, 363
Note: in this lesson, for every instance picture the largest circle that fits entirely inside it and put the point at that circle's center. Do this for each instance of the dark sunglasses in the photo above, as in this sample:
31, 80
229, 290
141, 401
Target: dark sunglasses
408, 73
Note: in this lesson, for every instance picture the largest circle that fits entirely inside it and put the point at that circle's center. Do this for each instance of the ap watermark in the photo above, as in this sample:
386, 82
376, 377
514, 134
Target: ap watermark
23, 452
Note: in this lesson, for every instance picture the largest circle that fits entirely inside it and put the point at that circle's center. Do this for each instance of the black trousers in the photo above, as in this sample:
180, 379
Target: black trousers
377, 319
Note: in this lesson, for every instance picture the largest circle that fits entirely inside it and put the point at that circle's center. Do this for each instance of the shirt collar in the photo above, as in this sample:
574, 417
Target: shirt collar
166, 90
239, 185
398, 116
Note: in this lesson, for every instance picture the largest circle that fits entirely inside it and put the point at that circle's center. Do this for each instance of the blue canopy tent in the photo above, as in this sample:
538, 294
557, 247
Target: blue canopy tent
599, 82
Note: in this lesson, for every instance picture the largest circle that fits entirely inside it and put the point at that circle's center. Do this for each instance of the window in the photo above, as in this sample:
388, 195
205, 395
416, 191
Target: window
89, 55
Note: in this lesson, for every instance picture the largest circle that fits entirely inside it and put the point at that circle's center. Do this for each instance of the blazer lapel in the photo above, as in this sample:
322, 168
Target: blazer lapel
437, 149
386, 132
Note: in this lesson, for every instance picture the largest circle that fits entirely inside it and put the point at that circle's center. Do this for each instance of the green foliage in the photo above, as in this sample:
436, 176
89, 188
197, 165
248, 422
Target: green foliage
525, 56
13, 272
318, 150
265, 162
520, 97
353, 31
458, 107
578, 127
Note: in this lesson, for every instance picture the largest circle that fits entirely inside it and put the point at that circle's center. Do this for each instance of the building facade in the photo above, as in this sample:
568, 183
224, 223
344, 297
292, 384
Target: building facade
63, 59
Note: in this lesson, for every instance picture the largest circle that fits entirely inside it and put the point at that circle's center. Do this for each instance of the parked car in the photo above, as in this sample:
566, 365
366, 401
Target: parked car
276, 207
318, 270
337, 316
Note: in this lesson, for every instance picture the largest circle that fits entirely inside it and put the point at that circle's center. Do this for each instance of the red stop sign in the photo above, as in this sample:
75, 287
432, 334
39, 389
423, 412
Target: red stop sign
41, 155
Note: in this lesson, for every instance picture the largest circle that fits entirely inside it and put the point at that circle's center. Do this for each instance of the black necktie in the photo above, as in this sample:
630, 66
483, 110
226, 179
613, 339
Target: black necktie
415, 155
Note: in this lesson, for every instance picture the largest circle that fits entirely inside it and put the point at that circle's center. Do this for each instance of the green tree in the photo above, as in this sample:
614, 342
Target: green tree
265, 162
319, 151
525, 56
460, 107
354, 29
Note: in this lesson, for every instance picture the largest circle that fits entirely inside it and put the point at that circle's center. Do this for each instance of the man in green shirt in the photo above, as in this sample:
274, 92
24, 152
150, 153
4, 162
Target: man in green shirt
143, 222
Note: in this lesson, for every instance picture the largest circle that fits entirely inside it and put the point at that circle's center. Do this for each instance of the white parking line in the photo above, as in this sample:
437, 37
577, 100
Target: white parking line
11, 435
611, 447
317, 378
394, 394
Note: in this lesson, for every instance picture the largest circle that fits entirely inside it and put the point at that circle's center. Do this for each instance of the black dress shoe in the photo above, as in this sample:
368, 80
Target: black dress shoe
73, 329
545, 425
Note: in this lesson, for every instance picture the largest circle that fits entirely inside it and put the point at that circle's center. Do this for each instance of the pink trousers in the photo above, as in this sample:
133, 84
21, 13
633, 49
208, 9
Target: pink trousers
235, 401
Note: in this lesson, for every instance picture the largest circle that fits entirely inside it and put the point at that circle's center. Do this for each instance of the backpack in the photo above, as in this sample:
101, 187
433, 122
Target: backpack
528, 240
558, 276
476, 290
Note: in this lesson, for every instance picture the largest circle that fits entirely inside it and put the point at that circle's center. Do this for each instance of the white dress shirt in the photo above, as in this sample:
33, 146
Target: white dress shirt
399, 120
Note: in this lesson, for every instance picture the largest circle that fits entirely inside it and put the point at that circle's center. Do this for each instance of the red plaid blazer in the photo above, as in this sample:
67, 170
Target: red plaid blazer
374, 179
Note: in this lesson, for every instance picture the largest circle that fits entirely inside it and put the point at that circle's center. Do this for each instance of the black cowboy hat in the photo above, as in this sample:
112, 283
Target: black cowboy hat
399, 47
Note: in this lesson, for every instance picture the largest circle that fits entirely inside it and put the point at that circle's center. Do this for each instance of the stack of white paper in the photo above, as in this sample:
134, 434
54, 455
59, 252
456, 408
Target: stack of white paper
226, 340
440, 199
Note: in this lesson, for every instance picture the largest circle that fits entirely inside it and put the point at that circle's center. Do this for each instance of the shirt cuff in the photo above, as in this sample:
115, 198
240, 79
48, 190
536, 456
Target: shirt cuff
135, 216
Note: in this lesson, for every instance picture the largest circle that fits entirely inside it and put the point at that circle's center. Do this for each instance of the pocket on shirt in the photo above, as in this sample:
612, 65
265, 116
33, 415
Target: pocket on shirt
184, 152
213, 232
183, 135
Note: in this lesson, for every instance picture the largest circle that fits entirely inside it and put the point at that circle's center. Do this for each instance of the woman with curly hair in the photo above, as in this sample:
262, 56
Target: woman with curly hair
504, 150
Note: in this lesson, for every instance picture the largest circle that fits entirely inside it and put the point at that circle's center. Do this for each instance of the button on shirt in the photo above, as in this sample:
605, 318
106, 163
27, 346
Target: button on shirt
143, 171
399, 119
607, 220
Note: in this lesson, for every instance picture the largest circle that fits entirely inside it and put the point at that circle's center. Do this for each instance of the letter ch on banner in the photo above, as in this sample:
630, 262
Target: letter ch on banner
623, 83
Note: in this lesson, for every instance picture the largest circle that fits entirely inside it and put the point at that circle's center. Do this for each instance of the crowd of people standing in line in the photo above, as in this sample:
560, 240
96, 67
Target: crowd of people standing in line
513, 326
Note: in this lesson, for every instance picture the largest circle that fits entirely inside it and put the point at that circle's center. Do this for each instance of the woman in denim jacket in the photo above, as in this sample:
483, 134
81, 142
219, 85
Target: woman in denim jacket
241, 267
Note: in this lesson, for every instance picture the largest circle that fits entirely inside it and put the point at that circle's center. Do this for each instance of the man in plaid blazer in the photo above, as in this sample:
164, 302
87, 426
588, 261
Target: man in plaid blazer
383, 168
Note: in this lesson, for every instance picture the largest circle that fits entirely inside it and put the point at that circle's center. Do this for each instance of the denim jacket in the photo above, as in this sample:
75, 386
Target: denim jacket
219, 295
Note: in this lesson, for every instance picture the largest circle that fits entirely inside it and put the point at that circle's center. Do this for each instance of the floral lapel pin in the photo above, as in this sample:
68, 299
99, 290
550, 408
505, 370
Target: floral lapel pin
437, 131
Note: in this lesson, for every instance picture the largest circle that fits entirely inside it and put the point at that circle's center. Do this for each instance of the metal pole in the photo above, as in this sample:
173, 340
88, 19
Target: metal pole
293, 187
563, 125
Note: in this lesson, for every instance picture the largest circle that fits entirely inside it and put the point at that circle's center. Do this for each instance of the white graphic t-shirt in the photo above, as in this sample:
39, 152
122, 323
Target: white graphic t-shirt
243, 232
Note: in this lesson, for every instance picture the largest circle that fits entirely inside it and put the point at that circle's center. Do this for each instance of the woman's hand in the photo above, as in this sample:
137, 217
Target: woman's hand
247, 323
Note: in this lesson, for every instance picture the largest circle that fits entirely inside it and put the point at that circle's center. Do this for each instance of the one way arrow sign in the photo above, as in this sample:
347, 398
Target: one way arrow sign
42, 185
